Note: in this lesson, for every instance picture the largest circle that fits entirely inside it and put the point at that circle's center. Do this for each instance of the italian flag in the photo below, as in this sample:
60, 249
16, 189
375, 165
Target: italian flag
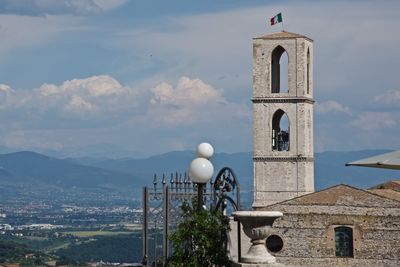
276, 19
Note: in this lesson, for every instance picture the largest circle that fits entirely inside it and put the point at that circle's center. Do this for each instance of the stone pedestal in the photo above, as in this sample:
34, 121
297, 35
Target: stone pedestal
238, 264
257, 226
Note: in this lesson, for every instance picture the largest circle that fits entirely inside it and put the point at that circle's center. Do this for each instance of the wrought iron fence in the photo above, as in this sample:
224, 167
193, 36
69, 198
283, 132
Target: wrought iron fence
161, 207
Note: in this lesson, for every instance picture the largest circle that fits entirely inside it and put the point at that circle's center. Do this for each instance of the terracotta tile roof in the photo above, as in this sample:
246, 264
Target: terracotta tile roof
282, 35
389, 193
344, 195
394, 185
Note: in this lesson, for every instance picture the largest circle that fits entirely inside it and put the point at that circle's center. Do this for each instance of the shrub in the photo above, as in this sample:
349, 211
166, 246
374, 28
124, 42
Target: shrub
200, 239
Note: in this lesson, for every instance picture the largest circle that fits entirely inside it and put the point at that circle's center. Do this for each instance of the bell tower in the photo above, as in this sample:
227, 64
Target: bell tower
283, 153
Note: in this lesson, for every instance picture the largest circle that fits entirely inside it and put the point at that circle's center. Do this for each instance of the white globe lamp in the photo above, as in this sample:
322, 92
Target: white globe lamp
201, 170
205, 150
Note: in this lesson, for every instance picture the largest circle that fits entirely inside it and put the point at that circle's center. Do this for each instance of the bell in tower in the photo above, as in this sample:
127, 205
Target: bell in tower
283, 117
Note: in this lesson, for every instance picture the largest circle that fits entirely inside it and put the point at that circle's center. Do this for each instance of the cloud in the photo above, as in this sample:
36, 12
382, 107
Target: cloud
5, 88
49, 7
371, 121
207, 45
389, 98
96, 86
26, 32
101, 102
331, 106
78, 105
188, 92
98, 98
26, 140
191, 101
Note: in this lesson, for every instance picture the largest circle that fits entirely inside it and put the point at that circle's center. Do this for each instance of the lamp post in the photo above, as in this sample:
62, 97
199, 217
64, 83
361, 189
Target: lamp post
201, 170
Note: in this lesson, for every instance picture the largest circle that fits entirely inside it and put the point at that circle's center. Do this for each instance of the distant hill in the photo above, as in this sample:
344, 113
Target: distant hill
330, 167
132, 174
31, 167
176, 161
330, 170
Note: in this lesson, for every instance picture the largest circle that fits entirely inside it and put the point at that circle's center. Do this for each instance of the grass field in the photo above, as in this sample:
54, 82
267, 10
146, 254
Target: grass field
133, 226
96, 233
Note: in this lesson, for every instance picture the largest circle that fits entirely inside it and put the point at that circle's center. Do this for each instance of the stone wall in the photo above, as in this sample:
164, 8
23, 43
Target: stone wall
309, 237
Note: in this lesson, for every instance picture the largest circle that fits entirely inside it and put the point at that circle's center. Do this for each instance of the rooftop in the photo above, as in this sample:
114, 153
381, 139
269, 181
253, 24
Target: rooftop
389, 193
282, 35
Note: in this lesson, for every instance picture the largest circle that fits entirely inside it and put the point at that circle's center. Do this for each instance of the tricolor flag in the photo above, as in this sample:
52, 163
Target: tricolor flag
276, 19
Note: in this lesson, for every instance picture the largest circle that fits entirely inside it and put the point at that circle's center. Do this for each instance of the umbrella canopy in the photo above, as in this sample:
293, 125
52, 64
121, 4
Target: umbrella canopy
387, 161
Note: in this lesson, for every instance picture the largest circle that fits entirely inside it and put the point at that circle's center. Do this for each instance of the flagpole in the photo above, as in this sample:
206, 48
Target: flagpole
282, 26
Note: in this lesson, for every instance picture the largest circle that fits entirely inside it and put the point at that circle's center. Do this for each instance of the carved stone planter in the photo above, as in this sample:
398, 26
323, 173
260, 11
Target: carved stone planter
257, 226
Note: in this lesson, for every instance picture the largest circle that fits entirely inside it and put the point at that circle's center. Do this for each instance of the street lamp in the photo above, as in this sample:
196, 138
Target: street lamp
201, 170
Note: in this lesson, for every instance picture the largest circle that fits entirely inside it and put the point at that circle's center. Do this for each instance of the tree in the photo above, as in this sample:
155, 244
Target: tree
200, 239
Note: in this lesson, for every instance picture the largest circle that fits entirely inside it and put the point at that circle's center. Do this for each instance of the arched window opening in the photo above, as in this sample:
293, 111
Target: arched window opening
344, 241
308, 70
279, 65
280, 131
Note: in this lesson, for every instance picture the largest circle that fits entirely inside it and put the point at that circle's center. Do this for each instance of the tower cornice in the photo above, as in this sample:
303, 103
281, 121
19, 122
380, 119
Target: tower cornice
284, 159
282, 35
282, 100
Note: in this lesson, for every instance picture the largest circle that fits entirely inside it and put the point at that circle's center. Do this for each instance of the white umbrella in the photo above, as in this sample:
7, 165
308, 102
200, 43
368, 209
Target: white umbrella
387, 161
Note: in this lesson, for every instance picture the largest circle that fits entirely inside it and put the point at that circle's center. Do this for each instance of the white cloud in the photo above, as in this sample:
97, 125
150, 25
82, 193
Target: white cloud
101, 85
102, 101
376, 121
19, 32
188, 92
100, 109
191, 101
49, 7
110, 4
331, 106
26, 140
78, 104
212, 45
99, 98
5, 88
389, 98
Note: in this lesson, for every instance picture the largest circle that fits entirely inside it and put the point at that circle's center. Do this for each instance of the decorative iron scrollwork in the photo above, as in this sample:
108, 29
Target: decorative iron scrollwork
225, 186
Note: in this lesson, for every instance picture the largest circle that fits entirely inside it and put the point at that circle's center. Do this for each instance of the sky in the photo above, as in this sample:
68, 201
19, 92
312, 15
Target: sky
138, 78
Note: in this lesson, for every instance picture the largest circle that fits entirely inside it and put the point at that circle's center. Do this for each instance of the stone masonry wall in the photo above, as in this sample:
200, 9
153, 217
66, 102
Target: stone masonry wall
282, 175
309, 238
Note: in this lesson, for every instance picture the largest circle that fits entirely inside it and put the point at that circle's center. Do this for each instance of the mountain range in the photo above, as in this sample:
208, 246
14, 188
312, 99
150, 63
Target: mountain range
33, 168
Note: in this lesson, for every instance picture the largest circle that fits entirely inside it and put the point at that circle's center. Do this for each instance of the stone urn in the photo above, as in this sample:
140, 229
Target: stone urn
257, 226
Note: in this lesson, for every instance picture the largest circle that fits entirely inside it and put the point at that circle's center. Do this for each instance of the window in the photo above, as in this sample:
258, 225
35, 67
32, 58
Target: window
344, 241
280, 131
274, 243
279, 65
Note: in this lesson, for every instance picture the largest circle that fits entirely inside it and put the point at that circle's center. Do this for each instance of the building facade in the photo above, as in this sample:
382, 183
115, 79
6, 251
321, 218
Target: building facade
338, 226
283, 153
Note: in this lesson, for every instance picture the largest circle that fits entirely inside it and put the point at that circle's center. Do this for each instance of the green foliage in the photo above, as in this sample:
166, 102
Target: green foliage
46, 245
200, 239
118, 248
14, 252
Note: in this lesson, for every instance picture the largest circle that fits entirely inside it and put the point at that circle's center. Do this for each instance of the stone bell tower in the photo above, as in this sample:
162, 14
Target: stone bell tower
283, 154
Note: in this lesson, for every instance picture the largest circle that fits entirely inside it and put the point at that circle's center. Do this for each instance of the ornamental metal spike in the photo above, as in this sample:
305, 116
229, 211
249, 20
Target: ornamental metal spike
172, 181
180, 182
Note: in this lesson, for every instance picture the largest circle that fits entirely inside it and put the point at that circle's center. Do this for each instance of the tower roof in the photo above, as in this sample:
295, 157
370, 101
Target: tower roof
282, 35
